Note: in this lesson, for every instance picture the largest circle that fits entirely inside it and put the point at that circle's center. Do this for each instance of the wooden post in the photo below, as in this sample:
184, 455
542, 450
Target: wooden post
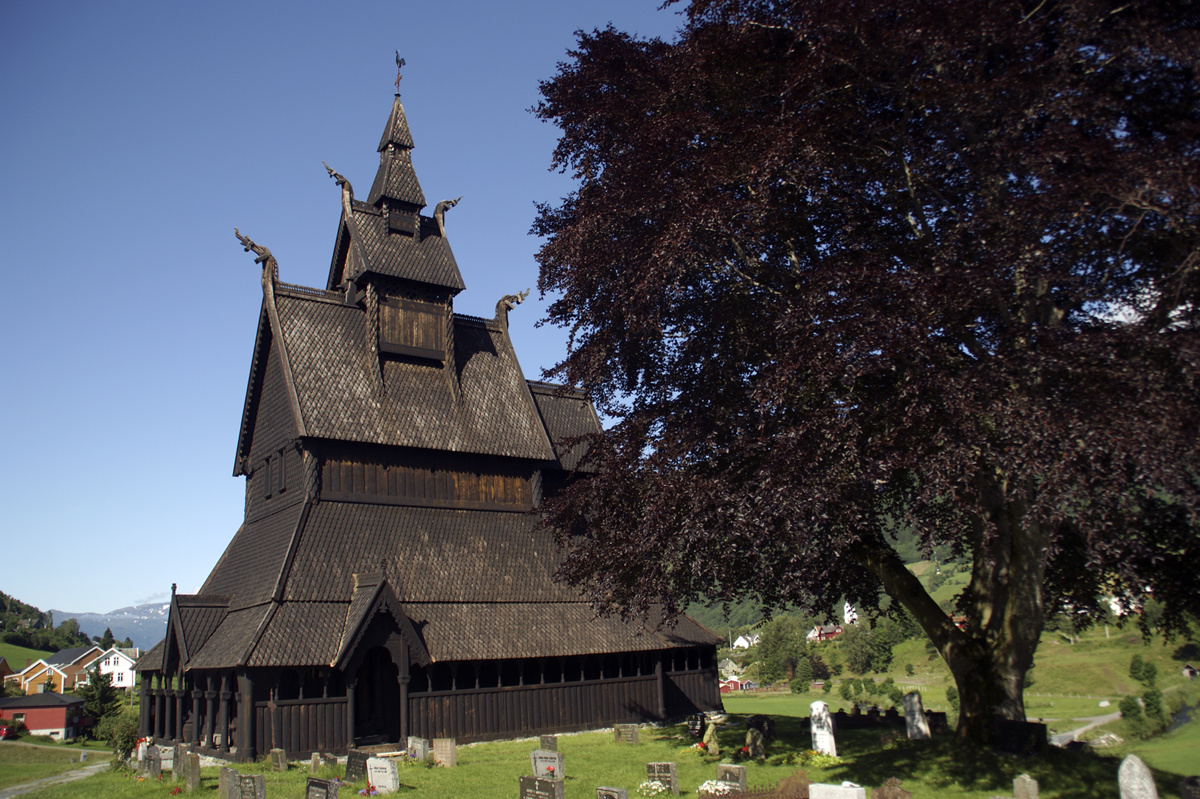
247, 748
350, 715
658, 679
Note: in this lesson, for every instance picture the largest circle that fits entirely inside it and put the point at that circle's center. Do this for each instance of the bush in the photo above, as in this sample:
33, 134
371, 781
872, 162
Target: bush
1149, 674
828, 686
908, 669
1135, 667
1130, 707
119, 731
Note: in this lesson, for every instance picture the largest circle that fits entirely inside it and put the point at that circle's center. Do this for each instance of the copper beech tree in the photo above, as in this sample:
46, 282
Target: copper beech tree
833, 267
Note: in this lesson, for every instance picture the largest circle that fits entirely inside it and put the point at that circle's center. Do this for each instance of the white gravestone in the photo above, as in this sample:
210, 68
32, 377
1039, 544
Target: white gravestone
844, 791
1025, 787
914, 717
1135, 780
821, 725
383, 774
548, 765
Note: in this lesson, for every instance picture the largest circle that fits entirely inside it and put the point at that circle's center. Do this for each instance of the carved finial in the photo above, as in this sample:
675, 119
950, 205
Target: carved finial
506, 304
172, 589
339, 178
439, 213
399, 66
269, 264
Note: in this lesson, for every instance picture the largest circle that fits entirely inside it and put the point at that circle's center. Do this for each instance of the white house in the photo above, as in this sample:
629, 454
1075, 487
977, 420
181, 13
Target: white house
746, 641
118, 664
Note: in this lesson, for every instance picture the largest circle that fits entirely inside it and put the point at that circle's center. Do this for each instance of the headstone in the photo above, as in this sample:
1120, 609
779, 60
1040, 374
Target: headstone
1025, 787
892, 716
1189, 788
252, 786
445, 752
83, 756
356, 765
711, 744
820, 790
191, 771
142, 748
695, 725
891, 790
533, 788
548, 742
320, 789
314, 763
663, 773
625, 733
611, 793
227, 784
793, 787
733, 775
153, 763
1019, 737
548, 765
1135, 780
914, 717
764, 724
937, 722
821, 725
418, 748
755, 747
383, 774
279, 761
328, 760
178, 759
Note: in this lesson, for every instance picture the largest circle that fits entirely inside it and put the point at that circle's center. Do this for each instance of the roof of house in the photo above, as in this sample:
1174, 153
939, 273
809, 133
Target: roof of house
66, 657
47, 699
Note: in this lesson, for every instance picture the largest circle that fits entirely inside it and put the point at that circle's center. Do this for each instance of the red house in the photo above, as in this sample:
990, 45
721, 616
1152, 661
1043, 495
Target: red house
45, 714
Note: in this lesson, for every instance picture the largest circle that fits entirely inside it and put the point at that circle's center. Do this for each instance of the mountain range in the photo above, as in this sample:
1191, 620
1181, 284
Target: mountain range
145, 625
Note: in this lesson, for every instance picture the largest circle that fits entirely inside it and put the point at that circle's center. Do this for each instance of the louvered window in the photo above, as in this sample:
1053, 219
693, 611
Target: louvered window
411, 327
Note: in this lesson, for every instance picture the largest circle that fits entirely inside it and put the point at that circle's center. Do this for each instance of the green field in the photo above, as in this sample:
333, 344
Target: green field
20, 764
17, 655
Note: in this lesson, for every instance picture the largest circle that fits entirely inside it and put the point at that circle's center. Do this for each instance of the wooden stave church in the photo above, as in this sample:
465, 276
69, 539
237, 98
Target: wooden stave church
390, 558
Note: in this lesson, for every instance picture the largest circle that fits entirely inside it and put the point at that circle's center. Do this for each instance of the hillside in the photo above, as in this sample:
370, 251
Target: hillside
145, 625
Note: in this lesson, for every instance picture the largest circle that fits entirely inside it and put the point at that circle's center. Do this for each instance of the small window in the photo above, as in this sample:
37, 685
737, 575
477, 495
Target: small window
410, 327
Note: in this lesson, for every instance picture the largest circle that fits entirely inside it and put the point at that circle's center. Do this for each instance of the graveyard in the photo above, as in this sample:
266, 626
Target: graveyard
576, 766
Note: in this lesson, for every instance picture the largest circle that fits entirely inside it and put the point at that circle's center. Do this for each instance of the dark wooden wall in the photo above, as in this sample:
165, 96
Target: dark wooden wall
435, 480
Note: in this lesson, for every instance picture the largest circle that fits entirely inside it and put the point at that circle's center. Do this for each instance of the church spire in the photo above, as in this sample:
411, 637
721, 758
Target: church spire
396, 185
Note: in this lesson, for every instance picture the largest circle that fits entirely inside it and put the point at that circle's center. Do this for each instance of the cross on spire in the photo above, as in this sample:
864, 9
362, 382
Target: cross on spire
399, 66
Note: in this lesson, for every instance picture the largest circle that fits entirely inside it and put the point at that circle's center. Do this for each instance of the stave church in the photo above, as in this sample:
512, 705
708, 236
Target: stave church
390, 577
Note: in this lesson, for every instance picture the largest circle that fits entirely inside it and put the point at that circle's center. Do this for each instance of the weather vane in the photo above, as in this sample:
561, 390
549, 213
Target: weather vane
399, 66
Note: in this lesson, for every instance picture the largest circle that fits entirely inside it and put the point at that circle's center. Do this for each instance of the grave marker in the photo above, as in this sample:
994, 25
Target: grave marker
279, 761
755, 747
191, 771
1135, 780
548, 765
418, 748
227, 784
1189, 788
178, 758
891, 790
625, 733
915, 722
320, 789
356, 765
252, 786
821, 725
764, 724
733, 775
153, 763
711, 744
820, 790
533, 788
314, 763
445, 752
663, 773
383, 774
1025, 787
548, 742
1019, 737
611, 793
695, 725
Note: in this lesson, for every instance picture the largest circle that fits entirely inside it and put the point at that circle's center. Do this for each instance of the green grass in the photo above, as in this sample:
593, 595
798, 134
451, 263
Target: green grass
17, 655
22, 764
1177, 751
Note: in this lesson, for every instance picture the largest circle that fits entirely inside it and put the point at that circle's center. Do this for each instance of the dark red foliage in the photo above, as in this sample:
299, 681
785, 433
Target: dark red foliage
833, 266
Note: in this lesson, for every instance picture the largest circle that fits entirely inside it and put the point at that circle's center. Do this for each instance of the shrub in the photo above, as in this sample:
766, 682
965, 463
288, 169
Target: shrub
1135, 667
119, 731
908, 669
1130, 707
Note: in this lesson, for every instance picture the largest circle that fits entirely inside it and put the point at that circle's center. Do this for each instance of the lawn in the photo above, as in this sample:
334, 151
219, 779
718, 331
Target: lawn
20, 764
17, 655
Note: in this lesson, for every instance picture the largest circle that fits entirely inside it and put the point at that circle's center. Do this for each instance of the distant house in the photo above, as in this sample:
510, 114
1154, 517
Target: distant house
45, 714
729, 686
5, 669
728, 668
746, 641
59, 672
1190, 671
824, 632
118, 664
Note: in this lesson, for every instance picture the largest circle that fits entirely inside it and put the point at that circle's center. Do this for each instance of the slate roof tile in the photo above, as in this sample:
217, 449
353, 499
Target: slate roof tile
397, 179
301, 634
229, 643
567, 414
425, 260
249, 568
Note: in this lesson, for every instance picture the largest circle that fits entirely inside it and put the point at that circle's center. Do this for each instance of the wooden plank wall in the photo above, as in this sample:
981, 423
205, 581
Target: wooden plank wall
438, 482
305, 726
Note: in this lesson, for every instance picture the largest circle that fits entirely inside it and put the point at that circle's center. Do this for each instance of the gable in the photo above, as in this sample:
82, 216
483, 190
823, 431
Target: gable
268, 419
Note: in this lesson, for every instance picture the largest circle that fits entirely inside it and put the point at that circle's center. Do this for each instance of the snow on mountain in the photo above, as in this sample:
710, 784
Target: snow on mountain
144, 624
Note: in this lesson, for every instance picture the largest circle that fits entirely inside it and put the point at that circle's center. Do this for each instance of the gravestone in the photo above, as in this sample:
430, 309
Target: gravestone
793, 787
625, 733
1135, 780
418, 748
663, 773
142, 749
548, 765
356, 765
320, 789
314, 763
892, 716
821, 725
178, 758
1189, 788
1025, 787
891, 790
711, 744
328, 760
533, 788
695, 725
191, 771
83, 756
383, 774
227, 783
445, 752
611, 793
937, 722
548, 742
764, 724
1019, 737
279, 761
153, 763
733, 775
915, 722
252, 786
755, 747
819, 790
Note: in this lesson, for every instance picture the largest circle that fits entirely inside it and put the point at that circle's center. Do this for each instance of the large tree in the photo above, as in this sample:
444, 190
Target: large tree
835, 267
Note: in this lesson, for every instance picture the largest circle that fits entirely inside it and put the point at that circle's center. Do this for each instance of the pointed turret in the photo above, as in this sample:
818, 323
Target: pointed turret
396, 186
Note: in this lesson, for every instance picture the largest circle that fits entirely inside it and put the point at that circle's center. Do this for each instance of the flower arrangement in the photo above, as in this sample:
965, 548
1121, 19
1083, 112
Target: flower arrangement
550, 771
370, 790
696, 749
651, 788
715, 788
178, 789
810, 757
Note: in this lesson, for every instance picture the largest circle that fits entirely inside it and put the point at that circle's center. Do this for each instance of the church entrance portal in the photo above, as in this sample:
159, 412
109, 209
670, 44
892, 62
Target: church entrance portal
377, 699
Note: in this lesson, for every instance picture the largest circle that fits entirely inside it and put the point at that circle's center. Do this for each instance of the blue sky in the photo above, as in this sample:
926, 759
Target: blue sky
135, 136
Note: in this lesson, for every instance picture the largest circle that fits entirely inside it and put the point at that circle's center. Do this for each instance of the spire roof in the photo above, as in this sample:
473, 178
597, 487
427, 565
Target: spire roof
396, 181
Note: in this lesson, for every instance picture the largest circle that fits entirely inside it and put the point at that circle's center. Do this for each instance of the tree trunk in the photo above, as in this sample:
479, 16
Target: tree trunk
1003, 609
